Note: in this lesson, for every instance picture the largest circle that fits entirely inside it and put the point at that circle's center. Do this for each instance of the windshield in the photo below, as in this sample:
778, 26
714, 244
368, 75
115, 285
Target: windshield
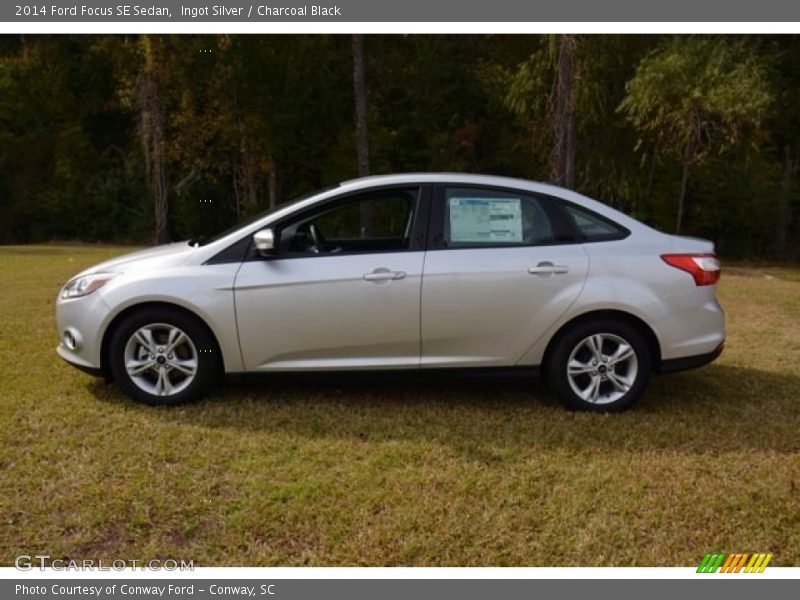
253, 218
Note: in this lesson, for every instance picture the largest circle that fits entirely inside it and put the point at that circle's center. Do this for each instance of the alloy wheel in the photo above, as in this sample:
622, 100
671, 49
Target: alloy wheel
602, 368
160, 359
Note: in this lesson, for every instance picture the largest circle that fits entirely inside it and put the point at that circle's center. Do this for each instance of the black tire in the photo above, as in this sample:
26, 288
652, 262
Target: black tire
609, 398
201, 344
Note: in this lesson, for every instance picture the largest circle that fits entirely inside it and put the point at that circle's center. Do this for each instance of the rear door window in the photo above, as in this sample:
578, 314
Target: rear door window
475, 217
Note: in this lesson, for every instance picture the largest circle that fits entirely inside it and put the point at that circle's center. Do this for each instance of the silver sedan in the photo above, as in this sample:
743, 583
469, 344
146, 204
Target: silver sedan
414, 271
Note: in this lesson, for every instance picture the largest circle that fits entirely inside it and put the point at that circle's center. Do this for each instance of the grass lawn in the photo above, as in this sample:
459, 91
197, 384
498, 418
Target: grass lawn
390, 471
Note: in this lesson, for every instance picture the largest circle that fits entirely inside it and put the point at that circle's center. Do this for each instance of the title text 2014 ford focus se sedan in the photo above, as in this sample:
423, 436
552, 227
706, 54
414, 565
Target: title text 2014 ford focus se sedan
417, 271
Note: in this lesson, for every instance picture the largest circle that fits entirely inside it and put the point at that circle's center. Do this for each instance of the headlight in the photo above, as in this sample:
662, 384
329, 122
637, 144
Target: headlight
80, 286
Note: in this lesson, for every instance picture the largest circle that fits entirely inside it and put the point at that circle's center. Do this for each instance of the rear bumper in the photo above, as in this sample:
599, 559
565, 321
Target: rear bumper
685, 363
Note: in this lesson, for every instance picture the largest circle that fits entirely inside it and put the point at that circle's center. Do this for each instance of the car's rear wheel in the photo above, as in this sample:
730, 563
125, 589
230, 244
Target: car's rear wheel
163, 356
601, 365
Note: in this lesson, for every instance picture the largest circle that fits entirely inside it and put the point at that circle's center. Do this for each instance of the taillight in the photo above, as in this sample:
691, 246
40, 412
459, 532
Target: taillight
703, 267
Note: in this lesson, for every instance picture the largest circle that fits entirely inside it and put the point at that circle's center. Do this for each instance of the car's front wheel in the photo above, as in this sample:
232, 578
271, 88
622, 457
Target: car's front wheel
163, 356
601, 365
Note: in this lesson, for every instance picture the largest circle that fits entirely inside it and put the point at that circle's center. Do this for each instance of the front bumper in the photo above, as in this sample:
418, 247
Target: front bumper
74, 361
83, 318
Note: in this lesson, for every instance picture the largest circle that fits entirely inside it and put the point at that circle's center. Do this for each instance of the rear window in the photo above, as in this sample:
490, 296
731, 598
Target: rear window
593, 227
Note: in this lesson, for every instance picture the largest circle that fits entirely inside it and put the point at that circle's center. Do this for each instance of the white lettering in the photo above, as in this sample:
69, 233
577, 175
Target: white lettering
224, 11
232, 590
326, 11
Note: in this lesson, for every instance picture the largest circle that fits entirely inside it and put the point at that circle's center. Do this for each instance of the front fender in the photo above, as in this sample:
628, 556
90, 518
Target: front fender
204, 290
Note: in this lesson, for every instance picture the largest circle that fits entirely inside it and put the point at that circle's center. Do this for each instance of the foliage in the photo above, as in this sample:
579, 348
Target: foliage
251, 120
697, 96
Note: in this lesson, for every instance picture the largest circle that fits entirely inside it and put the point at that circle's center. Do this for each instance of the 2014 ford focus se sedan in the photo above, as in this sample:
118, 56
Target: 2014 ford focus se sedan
415, 271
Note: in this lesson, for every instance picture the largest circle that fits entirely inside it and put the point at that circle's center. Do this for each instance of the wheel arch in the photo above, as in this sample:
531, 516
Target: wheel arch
129, 310
620, 315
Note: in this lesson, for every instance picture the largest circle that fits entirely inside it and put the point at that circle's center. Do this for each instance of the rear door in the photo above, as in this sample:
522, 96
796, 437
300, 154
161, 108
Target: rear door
502, 267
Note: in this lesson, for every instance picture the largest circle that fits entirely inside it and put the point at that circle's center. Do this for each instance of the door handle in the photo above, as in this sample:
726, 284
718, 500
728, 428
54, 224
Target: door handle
548, 268
384, 275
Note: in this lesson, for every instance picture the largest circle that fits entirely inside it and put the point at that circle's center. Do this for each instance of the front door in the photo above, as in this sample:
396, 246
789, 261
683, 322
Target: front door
342, 290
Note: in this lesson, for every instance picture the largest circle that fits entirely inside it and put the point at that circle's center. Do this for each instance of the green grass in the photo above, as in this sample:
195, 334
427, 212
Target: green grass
400, 472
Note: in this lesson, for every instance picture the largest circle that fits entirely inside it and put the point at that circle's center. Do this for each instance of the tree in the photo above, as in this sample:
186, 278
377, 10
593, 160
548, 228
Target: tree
562, 160
696, 96
784, 126
360, 93
151, 128
362, 135
542, 92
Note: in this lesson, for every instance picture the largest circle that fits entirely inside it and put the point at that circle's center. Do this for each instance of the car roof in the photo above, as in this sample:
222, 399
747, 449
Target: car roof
515, 183
447, 177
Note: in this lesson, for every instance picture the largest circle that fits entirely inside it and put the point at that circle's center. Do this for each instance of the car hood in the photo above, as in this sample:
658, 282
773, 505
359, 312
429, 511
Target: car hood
157, 257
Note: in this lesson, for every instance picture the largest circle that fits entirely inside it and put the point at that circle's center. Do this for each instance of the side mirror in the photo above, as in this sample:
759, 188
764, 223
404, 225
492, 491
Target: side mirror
264, 241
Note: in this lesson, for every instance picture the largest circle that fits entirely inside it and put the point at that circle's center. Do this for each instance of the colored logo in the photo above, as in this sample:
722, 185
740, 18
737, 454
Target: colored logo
714, 562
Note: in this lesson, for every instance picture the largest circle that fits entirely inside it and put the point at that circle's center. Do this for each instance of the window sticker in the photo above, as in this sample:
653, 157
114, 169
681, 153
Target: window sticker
485, 220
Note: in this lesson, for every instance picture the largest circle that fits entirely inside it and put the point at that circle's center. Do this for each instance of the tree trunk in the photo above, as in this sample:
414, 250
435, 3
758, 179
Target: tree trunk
682, 197
651, 175
360, 92
784, 202
151, 125
273, 184
362, 134
563, 155
237, 200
